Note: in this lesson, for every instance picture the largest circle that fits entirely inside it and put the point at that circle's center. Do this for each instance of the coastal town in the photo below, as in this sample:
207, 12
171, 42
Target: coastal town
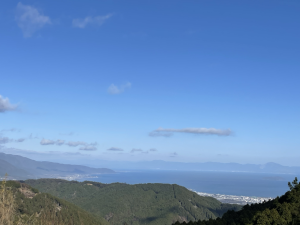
234, 199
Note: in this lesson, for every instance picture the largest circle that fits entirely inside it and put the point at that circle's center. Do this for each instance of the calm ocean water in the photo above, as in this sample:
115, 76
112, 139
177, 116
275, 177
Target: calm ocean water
230, 183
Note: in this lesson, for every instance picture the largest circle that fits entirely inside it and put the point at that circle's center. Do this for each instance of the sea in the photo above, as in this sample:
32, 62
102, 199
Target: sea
213, 182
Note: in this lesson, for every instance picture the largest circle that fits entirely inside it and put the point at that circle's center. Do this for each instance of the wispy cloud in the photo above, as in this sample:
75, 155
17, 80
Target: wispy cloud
20, 140
29, 19
153, 150
174, 154
42, 155
60, 142
4, 140
76, 143
156, 133
97, 20
88, 148
33, 137
141, 150
114, 90
222, 155
5, 105
136, 150
115, 149
9, 130
47, 142
51, 142
209, 131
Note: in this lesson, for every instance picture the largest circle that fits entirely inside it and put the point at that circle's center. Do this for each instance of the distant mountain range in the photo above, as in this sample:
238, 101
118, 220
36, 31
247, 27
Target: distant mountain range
18, 167
207, 166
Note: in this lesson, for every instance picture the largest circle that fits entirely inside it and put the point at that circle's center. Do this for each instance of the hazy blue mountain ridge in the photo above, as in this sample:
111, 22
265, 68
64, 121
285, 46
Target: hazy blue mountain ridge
19, 167
207, 166
17, 173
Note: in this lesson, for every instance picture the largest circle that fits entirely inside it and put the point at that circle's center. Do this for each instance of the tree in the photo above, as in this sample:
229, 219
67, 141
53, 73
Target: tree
293, 184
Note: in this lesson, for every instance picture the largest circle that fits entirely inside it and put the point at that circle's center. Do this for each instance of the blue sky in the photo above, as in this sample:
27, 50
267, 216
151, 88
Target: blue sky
190, 81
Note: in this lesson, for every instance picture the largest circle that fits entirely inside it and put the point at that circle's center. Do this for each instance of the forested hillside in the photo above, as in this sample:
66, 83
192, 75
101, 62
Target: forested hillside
20, 204
284, 210
121, 203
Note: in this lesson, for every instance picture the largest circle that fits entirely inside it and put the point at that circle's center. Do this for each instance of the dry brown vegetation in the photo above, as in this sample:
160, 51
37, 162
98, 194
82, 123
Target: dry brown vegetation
7, 205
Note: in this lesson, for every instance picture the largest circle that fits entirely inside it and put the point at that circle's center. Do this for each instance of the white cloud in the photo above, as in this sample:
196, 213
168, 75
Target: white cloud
152, 150
51, 142
210, 131
5, 105
47, 142
97, 20
76, 143
70, 143
88, 148
114, 90
20, 140
136, 150
29, 19
60, 142
33, 137
9, 130
4, 140
115, 149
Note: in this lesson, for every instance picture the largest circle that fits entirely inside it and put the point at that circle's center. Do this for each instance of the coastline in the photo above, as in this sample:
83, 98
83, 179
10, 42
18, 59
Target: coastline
235, 199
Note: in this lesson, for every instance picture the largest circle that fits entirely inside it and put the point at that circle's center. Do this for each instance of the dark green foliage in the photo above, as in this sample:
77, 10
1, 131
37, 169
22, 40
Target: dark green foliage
42, 208
21, 184
284, 210
13, 184
122, 204
293, 184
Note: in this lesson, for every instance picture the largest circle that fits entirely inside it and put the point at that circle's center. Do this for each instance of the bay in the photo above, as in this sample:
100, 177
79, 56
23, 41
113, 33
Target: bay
228, 183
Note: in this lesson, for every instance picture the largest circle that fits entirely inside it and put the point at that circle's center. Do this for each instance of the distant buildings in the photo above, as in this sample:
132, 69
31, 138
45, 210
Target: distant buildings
234, 199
